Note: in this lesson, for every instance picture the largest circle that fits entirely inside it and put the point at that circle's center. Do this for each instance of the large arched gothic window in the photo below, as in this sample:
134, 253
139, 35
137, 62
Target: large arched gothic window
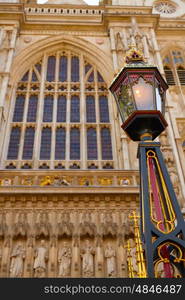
174, 68
61, 115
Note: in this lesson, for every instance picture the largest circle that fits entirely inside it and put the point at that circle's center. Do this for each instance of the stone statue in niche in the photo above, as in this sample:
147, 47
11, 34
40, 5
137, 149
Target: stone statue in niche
110, 255
174, 180
108, 225
2, 225
86, 224
41, 257
21, 225
168, 155
64, 259
17, 261
87, 254
64, 224
42, 225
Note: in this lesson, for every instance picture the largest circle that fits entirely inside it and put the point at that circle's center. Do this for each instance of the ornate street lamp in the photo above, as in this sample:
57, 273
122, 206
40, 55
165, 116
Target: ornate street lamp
139, 91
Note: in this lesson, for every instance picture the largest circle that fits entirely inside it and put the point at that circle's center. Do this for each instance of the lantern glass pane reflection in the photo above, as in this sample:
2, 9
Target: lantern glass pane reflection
158, 100
125, 101
143, 95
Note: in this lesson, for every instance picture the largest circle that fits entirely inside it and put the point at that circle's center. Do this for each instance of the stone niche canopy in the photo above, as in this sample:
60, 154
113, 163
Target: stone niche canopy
74, 2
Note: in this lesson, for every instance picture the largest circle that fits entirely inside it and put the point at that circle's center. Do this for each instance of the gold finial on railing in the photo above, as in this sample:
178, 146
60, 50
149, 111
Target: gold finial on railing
139, 247
129, 261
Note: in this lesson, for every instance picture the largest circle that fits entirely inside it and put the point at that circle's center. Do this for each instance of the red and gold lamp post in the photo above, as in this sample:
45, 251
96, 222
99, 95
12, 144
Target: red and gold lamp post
139, 91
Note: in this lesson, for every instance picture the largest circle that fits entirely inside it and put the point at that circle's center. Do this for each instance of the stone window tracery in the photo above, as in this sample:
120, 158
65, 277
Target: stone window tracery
55, 100
165, 7
174, 68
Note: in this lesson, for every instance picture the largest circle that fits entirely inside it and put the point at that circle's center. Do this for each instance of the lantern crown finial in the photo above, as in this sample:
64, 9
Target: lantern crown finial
134, 55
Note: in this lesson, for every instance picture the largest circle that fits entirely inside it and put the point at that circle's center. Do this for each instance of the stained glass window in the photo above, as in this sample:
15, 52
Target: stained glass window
60, 143
38, 67
75, 143
50, 94
25, 76
48, 109
87, 68
75, 69
28, 143
75, 109
19, 109
34, 76
174, 64
91, 144
14, 143
63, 69
104, 109
100, 78
91, 77
90, 109
51, 68
106, 144
32, 108
61, 109
45, 149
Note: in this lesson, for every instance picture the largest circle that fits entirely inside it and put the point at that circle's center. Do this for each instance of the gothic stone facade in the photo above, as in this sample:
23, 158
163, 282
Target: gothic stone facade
68, 173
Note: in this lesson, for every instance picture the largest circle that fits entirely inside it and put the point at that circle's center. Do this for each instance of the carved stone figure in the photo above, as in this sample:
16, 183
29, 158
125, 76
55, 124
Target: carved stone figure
17, 261
57, 181
124, 181
6, 182
42, 225
41, 257
2, 225
64, 259
20, 225
174, 180
64, 181
110, 255
87, 227
108, 226
64, 225
46, 181
87, 253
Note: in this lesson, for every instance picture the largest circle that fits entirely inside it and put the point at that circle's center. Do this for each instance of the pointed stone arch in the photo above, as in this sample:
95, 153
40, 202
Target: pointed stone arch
34, 52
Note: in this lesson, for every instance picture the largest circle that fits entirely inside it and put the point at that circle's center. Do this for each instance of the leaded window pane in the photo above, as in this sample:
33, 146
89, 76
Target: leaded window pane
104, 109
90, 109
51, 68
91, 144
48, 109
19, 109
32, 109
63, 69
75, 69
75, 109
75, 143
28, 143
45, 149
106, 144
60, 143
13, 148
61, 109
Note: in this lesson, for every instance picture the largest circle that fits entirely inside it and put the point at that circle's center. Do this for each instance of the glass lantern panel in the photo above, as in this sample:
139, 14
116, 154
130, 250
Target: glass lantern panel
158, 99
143, 95
125, 101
